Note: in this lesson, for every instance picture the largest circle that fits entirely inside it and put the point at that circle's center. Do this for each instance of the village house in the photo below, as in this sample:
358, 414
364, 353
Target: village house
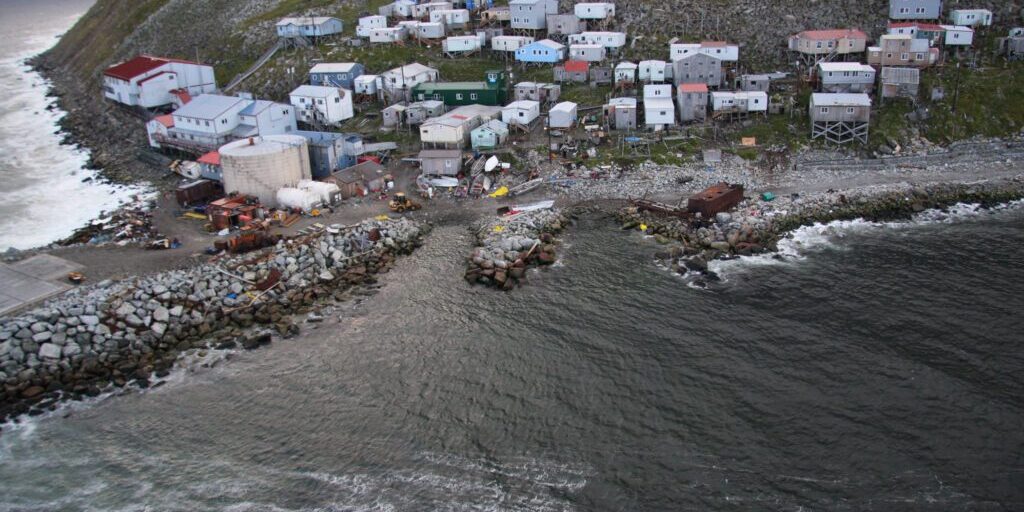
572, 71
839, 117
1012, 46
620, 113
825, 45
659, 111
752, 82
456, 45
453, 129
491, 91
538, 91
970, 17
316, 104
399, 81
957, 36
398, 9
900, 82
487, 33
149, 82
625, 73
611, 41
359, 180
308, 26
423, 10
564, 25
453, 18
387, 34
845, 77
895, 50
562, 115
600, 75
330, 151
531, 14
440, 162
368, 86
509, 43
498, 14
393, 115
418, 112
543, 51
652, 71
693, 102
521, 113
738, 103
335, 74
587, 52
367, 23
490, 135
427, 30
698, 68
594, 10
931, 32
915, 9
726, 52
211, 120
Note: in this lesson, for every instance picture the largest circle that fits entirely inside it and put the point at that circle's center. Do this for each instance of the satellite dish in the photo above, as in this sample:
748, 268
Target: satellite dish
491, 163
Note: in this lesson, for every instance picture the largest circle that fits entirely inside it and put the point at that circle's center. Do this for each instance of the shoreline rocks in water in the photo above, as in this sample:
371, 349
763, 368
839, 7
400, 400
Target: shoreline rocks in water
128, 331
507, 246
756, 226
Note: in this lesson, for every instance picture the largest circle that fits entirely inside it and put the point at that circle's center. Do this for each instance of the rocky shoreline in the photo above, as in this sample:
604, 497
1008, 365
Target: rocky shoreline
756, 226
507, 246
129, 332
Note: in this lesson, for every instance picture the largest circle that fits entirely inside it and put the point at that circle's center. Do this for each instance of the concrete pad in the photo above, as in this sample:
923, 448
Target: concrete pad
33, 280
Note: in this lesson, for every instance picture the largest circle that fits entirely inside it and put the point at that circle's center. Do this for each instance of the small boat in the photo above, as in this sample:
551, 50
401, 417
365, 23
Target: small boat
525, 187
522, 208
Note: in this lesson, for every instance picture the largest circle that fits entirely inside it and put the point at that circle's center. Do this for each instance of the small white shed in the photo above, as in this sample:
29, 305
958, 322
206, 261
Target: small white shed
625, 73
366, 84
452, 17
958, 35
971, 17
659, 112
652, 71
461, 44
594, 10
521, 112
430, 30
586, 52
562, 115
387, 34
509, 43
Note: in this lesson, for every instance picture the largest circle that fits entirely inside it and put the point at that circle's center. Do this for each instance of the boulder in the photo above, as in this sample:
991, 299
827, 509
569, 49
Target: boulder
50, 351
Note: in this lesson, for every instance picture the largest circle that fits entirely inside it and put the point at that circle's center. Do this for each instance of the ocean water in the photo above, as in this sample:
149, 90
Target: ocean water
43, 197
873, 368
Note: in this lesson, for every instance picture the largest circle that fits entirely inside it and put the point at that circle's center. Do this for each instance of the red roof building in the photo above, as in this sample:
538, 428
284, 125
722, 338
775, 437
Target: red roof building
693, 87
149, 82
211, 158
577, 66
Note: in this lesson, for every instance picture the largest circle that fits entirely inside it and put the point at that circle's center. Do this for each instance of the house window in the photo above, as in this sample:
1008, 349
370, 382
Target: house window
472, 96
337, 99
904, 56
920, 56
207, 123
824, 110
818, 45
302, 100
849, 110
458, 96
223, 121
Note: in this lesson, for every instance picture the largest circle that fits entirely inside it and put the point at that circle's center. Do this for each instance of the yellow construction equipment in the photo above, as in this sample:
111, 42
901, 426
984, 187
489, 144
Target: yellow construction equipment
402, 203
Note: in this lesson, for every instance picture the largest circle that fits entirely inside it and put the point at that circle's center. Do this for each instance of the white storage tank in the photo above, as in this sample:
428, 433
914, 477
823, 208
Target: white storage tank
260, 166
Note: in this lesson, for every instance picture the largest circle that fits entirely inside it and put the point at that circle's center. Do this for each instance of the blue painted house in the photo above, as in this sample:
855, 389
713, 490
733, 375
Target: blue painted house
543, 51
335, 74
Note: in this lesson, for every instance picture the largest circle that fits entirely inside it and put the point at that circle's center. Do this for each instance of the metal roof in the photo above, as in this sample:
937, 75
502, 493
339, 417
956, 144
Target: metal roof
305, 20
623, 102
333, 67
522, 104
549, 43
314, 91
451, 86
143, 63
258, 106
565, 106
822, 99
411, 69
208, 106
844, 66
693, 87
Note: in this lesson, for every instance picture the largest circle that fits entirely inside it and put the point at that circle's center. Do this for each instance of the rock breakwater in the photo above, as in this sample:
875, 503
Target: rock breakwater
756, 226
116, 333
508, 245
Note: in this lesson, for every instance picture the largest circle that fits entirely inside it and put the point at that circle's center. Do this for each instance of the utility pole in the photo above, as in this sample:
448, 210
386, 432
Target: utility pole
956, 87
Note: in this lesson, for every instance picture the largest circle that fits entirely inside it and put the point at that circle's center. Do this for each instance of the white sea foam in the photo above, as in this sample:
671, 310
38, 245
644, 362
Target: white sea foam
43, 198
806, 241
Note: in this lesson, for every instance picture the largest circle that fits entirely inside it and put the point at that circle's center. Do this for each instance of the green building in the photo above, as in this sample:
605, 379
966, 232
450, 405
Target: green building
489, 92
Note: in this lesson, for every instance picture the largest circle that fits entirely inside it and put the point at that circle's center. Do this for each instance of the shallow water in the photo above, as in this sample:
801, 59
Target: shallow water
879, 368
43, 198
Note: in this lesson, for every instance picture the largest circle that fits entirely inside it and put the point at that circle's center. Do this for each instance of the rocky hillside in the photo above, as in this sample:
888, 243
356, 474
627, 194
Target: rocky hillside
231, 34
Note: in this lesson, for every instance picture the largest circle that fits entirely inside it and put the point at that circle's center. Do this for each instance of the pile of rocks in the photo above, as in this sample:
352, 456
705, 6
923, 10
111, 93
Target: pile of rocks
131, 223
756, 226
117, 332
615, 182
507, 245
